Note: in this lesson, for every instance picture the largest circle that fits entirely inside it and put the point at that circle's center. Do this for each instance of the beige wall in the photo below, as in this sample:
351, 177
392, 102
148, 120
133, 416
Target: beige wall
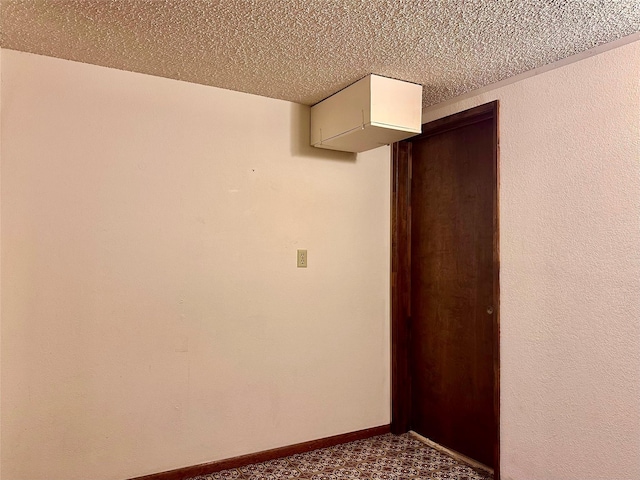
570, 269
153, 314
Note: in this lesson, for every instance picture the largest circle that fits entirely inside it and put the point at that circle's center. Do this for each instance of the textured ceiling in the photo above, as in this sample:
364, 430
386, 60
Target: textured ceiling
305, 50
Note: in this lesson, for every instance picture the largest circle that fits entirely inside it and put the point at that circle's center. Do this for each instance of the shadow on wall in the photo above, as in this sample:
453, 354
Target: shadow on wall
301, 134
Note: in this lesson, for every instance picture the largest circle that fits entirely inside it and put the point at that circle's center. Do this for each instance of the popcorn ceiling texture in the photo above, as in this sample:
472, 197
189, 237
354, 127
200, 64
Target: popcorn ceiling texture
306, 50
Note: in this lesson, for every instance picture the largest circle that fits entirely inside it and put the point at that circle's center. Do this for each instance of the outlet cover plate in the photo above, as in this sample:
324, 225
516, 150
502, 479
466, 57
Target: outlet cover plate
302, 259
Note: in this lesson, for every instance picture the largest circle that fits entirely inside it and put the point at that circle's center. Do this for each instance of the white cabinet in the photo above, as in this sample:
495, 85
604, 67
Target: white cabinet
373, 111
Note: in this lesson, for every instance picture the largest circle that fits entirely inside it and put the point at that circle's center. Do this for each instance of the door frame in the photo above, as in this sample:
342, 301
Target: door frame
401, 153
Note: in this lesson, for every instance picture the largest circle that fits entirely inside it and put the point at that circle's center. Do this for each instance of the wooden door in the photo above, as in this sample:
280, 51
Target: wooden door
450, 286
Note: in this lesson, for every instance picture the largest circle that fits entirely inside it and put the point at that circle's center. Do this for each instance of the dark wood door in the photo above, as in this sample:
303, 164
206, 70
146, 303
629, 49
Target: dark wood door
451, 284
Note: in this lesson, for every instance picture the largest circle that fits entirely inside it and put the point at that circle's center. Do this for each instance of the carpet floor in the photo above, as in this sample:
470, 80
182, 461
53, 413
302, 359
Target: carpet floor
385, 457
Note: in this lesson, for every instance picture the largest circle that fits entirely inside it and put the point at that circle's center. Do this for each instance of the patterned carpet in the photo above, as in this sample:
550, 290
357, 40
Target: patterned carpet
386, 457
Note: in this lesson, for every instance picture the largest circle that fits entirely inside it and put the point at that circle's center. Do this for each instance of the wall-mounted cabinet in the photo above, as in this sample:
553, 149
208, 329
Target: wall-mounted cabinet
373, 111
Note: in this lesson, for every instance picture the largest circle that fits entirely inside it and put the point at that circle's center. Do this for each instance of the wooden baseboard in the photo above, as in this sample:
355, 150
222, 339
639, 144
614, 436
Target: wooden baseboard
236, 462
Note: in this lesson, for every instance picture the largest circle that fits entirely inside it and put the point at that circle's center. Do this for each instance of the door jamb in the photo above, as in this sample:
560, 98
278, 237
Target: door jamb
401, 267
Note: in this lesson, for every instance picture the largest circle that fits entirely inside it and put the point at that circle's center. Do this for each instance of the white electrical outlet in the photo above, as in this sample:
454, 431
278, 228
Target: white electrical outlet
302, 259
